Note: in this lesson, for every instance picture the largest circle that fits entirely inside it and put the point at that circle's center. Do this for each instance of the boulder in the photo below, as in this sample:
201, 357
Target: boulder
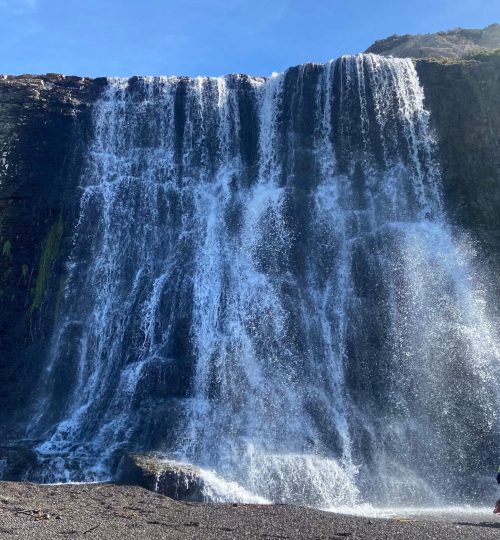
168, 477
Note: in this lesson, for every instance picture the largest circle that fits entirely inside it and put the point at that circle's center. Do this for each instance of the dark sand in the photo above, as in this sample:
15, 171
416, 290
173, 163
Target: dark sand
107, 511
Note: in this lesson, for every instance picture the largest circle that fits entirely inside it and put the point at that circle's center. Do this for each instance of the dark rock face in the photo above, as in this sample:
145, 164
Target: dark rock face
464, 100
457, 43
15, 461
43, 129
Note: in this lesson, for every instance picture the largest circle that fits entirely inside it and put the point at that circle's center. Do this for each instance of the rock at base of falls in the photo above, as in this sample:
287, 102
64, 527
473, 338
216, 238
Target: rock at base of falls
171, 478
15, 461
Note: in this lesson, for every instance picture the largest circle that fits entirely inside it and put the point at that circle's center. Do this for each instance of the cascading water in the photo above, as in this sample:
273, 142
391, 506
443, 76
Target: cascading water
263, 283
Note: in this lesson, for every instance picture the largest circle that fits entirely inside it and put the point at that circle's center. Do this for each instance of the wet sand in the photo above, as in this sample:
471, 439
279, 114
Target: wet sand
109, 511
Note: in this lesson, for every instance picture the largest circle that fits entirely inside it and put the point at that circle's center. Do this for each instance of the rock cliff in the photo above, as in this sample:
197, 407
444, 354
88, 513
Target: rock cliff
460, 73
44, 130
464, 100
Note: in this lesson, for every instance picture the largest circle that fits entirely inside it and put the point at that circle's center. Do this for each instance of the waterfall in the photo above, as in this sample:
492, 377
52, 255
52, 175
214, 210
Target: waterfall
263, 282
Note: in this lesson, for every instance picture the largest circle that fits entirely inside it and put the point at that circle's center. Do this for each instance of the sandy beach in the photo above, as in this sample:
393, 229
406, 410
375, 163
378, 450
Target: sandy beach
109, 511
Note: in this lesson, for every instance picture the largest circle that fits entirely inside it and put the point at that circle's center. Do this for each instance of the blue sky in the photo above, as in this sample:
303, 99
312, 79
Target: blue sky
210, 37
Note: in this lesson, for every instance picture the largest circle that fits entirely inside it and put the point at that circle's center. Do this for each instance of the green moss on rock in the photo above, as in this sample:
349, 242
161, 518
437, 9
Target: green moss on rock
485, 54
7, 248
50, 250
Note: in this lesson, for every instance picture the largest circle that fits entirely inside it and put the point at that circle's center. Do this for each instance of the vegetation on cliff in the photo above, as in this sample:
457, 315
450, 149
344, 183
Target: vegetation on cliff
44, 121
50, 250
458, 43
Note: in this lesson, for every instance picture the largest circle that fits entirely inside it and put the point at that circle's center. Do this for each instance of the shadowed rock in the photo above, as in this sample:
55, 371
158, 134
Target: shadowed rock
15, 461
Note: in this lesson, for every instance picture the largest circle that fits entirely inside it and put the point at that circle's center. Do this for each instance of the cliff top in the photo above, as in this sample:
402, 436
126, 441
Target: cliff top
454, 44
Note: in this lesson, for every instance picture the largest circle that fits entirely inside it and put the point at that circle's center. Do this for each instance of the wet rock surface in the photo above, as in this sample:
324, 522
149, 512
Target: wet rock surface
108, 511
44, 124
464, 101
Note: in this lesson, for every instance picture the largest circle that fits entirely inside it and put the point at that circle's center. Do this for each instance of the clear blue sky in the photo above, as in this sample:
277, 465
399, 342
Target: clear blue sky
210, 37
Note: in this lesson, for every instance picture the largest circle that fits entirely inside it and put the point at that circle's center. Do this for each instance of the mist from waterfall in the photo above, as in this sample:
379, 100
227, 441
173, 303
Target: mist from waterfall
263, 283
